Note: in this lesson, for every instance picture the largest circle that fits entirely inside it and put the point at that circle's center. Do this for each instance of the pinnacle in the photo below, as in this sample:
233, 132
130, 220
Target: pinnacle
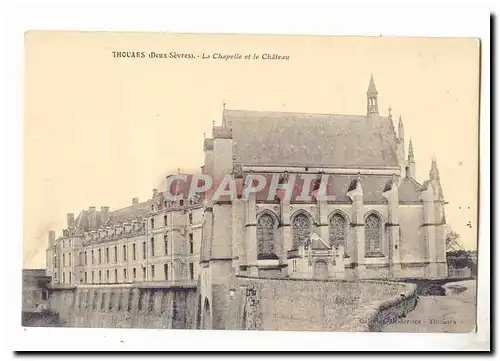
371, 87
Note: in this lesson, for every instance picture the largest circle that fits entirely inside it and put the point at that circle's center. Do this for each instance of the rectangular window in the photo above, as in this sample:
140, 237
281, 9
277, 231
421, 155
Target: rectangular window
165, 219
92, 258
92, 276
94, 300
125, 253
100, 278
107, 255
142, 296
69, 274
191, 271
116, 276
69, 257
190, 218
107, 276
152, 223
124, 275
191, 243
144, 250
143, 273
45, 295
64, 259
64, 277
116, 254
165, 243
80, 258
134, 253
85, 278
100, 256
165, 270
134, 273
152, 272
152, 246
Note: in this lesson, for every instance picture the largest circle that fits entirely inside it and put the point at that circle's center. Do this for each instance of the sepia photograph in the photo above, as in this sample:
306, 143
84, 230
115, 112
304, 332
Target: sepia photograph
185, 183
250, 182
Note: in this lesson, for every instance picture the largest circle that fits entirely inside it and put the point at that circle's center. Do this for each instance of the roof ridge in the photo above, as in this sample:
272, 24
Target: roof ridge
296, 112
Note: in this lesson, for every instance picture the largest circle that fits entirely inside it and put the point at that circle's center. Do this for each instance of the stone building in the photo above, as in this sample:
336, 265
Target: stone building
382, 223
378, 221
151, 241
35, 294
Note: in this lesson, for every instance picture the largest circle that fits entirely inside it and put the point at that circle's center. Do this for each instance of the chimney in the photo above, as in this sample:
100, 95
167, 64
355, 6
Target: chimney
52, 237
155, 192
70, 219
92, 219
104, 214
135, 200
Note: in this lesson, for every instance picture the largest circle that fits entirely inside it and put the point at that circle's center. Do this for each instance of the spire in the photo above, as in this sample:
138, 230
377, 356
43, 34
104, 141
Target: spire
401, 130
434, 172
411, 156
371, 98
372, 90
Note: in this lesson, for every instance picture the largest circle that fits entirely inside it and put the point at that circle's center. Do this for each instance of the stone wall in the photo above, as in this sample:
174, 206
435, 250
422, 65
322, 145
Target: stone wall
124, 306
314, 305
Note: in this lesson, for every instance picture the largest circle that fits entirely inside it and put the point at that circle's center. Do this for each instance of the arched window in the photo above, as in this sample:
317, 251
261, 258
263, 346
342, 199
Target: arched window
373, 235
266, 226
338, 230
301, 227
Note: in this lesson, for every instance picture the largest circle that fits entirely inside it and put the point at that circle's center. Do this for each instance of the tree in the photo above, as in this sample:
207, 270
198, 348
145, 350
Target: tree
459, 259
453, 241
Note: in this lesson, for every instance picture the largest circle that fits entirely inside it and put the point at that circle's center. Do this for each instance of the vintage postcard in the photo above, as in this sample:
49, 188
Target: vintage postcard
251, 182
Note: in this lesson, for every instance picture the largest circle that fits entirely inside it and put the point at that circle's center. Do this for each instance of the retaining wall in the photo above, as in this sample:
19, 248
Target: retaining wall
316, 305
124, 306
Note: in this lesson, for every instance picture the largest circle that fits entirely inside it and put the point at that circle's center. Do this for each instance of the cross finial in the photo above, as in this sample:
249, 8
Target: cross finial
204, 135
224, 105
213, 123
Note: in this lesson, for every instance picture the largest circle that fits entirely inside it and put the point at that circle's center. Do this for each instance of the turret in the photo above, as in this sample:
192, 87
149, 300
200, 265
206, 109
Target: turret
400, 146
372, 98
410, 168
434, 178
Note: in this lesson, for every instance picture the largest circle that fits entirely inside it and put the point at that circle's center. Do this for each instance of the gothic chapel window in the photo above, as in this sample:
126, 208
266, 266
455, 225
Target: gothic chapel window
266, 227
338, 230
301, 226
373, 235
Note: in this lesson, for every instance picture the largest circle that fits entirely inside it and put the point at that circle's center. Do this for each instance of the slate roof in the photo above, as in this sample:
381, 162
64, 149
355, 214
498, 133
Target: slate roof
324, 140
130, 213
338, 186
136, 211
122, 215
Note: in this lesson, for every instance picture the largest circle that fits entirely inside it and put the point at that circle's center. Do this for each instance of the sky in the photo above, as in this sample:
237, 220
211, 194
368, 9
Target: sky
100, 130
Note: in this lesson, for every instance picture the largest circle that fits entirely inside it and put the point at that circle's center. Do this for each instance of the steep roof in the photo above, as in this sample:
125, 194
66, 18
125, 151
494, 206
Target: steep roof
130, 213
302, 139
126, 214
338, 186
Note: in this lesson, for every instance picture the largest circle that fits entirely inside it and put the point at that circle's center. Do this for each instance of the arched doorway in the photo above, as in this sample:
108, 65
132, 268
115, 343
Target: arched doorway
207, 318
321, 270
